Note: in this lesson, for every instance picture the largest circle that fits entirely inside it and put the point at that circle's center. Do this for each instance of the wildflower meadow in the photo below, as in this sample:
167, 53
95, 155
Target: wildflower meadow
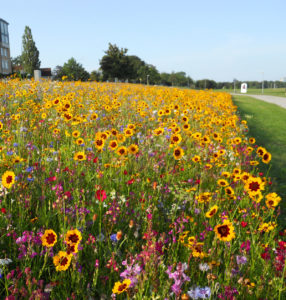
124, 191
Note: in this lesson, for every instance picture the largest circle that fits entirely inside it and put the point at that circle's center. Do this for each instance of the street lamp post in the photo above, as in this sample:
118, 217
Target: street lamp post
148, 79
262, 82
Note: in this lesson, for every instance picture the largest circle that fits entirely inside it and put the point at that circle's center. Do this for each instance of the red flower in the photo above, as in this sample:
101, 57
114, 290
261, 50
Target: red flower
125, 172
131, 181
243, 224
95, 160
101, 195
265, 255
3, 210
50, 179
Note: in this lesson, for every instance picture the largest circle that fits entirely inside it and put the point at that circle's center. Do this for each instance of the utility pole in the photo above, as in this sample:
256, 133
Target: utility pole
148, 79
262, 82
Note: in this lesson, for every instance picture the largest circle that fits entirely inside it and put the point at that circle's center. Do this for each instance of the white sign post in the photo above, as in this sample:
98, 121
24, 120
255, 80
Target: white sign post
243, 89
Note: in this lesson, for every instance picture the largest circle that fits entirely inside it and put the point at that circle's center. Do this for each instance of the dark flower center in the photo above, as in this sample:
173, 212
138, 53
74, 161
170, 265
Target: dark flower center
9, 179
50, 238
63, 261
223, 230
73, 238
122, 287
254, 186
177, 152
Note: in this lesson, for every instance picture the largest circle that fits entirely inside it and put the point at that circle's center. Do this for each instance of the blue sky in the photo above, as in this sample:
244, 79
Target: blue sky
220, 39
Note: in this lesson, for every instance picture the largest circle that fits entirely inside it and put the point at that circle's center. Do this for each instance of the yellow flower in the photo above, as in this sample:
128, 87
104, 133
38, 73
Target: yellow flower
196, 158
266, 157
212, 211
272, 200
225, 231
254, 185
121, 151
133, 149
73, 237
49, 238
222, 182
121, 287
178, 153
8, 179
62, 261
80, 156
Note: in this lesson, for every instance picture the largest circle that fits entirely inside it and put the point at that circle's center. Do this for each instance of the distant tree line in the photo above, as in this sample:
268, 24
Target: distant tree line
117, 65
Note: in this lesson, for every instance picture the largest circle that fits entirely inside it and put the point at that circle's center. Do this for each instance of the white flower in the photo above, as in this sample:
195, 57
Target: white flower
204, 267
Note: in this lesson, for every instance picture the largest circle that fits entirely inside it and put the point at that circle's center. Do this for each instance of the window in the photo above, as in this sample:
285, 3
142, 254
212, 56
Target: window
4, 52
4, 33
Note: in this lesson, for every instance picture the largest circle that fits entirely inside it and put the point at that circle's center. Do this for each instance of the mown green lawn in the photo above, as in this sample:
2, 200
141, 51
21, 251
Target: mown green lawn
267, 123
281, 92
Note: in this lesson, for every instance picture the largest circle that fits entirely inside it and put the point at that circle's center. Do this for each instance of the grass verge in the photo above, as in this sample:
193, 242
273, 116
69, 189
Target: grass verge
267, 123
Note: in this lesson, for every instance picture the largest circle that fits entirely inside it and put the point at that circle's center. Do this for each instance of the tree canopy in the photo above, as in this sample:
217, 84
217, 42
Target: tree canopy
72, 70
30, 54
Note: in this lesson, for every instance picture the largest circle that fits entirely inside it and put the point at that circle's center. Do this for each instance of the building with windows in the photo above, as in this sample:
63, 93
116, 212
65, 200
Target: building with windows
5, 59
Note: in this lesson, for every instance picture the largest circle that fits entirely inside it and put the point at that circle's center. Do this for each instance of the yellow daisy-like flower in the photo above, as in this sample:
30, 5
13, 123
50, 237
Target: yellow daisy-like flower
113, 144
73, 237
49, 238
222, 182
254, 185
252, 140
99, 143
272, 200
212, 211
225, 231
133, 149
121, 151
176, 139
196, 159
79, 156
261, 151
8, 179
204, 197
76, 134
62, 261
178, 153
266, 158
120, 287
158, 131
79, 141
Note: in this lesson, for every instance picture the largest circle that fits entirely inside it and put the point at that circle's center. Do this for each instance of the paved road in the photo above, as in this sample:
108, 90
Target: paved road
281, 101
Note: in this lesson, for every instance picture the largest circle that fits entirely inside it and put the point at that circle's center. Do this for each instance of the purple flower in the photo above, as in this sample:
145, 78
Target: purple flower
200, 293
132, 271
179, 277
241, 260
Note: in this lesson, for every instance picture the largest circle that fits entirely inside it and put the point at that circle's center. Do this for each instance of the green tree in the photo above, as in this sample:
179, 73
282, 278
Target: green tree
73, 70
115, 63
151, 72
16, 63
96, 75
30, 54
